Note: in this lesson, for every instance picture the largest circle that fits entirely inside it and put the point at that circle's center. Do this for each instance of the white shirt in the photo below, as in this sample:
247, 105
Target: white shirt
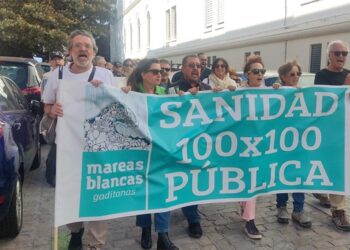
50, 91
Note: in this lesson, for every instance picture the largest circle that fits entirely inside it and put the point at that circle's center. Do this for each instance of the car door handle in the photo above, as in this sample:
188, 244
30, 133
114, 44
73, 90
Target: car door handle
17, 125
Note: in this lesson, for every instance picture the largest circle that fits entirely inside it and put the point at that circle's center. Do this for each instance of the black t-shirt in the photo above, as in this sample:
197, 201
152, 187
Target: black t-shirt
326, 77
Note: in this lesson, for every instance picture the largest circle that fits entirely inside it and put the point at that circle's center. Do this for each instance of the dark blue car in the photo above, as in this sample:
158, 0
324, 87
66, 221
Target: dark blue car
19, 152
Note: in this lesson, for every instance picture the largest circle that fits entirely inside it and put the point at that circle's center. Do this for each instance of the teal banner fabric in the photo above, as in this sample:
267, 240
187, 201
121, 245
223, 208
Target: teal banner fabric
245, 143
145, 153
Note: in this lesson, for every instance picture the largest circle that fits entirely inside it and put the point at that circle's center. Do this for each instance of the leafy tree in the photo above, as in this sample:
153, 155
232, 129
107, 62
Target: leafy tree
29, 27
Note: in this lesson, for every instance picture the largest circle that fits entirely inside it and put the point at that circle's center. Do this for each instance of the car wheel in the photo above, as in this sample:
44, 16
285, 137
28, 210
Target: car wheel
37, 158
11, 225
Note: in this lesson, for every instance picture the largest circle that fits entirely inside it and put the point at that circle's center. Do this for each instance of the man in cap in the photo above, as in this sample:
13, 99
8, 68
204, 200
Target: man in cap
56, 59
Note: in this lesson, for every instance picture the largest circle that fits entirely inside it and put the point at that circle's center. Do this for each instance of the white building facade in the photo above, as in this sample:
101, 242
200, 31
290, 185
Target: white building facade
278, 30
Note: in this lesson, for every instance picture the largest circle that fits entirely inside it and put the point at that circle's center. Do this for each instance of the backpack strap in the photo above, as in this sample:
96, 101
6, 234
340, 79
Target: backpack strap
60, 72
92, 74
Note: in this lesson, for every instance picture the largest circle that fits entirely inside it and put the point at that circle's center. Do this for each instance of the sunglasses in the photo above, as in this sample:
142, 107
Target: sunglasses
129, 65
166, 69
154, 71
257, 71
338, 53
193, 66
220, 66
293, 74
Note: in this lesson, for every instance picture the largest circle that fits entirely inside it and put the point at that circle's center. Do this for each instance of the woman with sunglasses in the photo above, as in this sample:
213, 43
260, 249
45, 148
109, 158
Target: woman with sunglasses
254, 71
146, 79
289, 74
219, 78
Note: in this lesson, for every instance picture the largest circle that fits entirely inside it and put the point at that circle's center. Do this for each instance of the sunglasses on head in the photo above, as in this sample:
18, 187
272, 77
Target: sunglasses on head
193, 66
166, 69
220, 66
257, 71
154, 71
338, 53
293, 74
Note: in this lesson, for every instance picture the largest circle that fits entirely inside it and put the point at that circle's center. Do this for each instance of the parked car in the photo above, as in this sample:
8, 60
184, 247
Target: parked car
19, 151
23, 72
306, 79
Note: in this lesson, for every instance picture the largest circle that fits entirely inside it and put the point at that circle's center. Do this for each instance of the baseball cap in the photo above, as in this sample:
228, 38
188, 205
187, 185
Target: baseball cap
54, 54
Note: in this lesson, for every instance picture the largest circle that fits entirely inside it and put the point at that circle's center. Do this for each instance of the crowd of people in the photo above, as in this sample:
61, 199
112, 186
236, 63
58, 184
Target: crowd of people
152, 76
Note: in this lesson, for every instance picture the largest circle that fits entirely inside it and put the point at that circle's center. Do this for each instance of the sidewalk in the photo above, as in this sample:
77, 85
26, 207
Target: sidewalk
223, 228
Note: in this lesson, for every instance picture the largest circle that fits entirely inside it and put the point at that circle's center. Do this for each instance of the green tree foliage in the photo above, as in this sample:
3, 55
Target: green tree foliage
29, 27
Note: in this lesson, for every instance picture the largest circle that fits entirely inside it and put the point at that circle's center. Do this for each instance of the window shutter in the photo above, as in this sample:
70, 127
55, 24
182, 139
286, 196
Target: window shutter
167, 17
138, 34
173, 23
315, 57
221, 11
148, 30
209, 13
131, 37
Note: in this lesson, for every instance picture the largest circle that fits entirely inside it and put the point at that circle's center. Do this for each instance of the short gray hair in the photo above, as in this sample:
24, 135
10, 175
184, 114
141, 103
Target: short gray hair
81, 33
98, 58
332, 43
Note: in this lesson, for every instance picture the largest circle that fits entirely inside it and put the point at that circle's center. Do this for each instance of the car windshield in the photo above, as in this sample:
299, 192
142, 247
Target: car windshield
269, 81
18, 72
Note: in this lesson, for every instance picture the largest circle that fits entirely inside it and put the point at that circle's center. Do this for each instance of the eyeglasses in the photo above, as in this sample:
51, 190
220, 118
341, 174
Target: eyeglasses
257, 71
80, 45
338, 53
154, 71
166, 69
193, 66
293, 74
220, 66
128, 65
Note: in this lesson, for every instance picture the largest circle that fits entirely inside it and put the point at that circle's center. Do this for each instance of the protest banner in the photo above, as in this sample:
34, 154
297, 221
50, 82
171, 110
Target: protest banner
125, 154
119, 81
